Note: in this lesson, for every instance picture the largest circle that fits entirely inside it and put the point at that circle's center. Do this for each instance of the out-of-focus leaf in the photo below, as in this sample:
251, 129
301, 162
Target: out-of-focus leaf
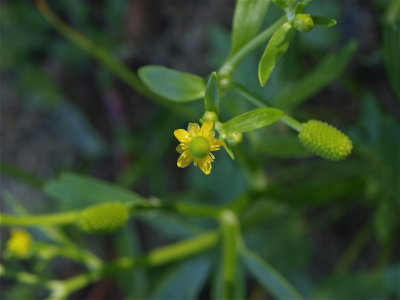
327, 70
391, 46
172, 226
77, 191
185, 282
73, 123
277, 46
134, 282
21, 175
254, 119
217, 282
323, 21
247, 20
365, 285
342, 179
392, 275
172, 84
270, 278
287, 146
386, 220
211, 97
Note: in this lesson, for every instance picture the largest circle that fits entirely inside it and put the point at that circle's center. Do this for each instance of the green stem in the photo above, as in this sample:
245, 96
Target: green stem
258, 101
48, 252
62, 289
166, 254
108, 59
233, 61
50, 219
230, 240
196, 210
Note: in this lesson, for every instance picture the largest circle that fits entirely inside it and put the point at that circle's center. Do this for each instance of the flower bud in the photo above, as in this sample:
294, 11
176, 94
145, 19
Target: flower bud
20, 243
103, 218
325, 140
303, 22
209, 116
234, 137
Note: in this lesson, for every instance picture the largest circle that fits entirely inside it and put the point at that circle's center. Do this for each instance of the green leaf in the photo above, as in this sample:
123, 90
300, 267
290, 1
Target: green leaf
254, 119
284, 3
277, 46
172, 84
268, 277
211, 98
134, 282
391, 46
287, 146
247, 20
323, 21
185, 282
386, 220
327, 70
78, 191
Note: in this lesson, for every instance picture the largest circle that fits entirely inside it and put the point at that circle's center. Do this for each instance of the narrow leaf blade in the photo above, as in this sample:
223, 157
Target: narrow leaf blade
323, 21
277, 46
254, 119
391, 57
327, 71
171, 84
211, 97
78, 191
268, 277
247, 21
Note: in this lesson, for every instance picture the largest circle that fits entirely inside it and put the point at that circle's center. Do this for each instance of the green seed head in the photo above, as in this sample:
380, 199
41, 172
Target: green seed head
325, 140
199, 147
103, 218
303, 22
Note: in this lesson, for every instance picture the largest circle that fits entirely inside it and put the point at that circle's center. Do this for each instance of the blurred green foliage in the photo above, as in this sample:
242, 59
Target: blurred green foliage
330, 228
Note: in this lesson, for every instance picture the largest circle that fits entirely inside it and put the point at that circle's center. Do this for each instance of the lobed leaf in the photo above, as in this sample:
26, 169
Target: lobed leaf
171, 84
254, 119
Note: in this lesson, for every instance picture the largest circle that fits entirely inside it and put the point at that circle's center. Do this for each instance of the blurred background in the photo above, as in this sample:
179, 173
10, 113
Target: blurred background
330, 227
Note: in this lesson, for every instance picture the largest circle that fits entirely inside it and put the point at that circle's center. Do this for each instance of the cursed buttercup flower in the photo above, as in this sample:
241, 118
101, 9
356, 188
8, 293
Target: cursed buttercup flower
196, 145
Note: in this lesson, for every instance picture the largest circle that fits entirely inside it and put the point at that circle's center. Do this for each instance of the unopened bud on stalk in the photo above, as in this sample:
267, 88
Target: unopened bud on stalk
303, 22
325, 140
234, 137
104, 218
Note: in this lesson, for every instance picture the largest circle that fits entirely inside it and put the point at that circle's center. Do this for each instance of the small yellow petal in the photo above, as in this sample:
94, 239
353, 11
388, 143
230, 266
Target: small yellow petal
205, 166
182, 135
181, 148
194, 129
184, 160
206, 128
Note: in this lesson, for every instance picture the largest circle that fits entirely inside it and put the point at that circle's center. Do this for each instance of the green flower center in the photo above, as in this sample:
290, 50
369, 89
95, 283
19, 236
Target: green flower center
199, 147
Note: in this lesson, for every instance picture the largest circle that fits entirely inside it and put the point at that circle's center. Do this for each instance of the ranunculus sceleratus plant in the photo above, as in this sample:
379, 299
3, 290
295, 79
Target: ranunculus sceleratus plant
205, 134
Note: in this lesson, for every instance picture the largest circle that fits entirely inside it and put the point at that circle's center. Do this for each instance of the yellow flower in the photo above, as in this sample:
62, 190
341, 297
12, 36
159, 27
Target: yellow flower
20, 242
196, 145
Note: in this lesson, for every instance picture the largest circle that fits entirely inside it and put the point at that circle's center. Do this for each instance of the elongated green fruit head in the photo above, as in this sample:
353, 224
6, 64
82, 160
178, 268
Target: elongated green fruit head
325, 140
103, 218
